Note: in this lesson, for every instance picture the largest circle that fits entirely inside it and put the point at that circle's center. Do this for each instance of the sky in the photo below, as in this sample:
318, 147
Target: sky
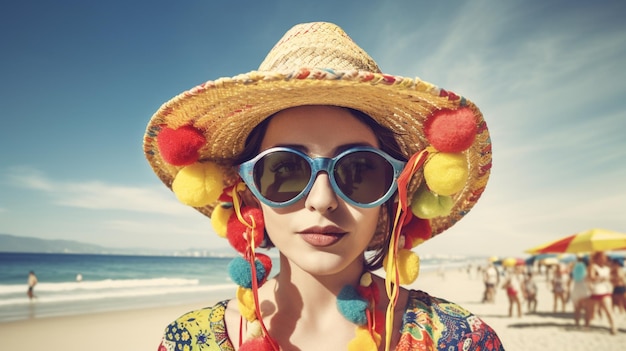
81, 79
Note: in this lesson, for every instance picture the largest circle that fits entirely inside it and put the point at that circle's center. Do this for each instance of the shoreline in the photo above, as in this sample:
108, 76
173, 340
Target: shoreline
142, 328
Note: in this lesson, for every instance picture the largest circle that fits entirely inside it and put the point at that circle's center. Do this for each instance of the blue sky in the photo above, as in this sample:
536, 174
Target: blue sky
81, 79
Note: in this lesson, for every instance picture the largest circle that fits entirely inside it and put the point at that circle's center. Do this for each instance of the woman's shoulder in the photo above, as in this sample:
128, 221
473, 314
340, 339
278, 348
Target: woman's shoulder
430, 320
203, 329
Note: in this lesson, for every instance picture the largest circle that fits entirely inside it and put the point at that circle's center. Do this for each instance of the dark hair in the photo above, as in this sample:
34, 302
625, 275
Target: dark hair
387, 141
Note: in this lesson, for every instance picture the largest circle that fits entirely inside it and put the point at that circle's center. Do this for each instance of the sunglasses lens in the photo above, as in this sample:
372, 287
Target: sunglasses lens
280, 176
364, 176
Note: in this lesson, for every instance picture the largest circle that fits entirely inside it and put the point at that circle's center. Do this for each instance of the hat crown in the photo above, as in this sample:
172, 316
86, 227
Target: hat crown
317, 45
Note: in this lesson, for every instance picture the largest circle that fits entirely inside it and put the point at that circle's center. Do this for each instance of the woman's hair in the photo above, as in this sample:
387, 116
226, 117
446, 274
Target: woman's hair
387, 141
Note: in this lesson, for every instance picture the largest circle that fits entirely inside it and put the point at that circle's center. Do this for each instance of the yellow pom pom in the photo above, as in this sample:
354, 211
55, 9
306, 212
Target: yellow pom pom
254, 329
408, 266
363, 341
427, 205
366, 279
199, 184
245, 301
219, 219
446, 173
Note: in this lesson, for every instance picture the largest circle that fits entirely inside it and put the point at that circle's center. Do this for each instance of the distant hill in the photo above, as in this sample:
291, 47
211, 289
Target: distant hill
24, 244
12, 243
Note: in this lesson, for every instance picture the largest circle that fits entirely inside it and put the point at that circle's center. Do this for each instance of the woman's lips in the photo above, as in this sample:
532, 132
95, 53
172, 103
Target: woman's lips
321, 237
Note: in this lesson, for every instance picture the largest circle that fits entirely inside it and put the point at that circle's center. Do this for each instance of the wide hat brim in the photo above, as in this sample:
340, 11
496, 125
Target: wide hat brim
226, 110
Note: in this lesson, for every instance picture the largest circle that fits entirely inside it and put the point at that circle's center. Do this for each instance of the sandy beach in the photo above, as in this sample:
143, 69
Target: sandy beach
141, 329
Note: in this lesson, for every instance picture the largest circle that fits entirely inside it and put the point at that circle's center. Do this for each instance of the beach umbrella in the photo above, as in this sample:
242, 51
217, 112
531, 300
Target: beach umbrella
509, 262
513, 261
587, 241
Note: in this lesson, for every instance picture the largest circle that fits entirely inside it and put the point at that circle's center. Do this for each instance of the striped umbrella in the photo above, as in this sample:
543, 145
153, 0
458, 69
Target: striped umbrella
587, 241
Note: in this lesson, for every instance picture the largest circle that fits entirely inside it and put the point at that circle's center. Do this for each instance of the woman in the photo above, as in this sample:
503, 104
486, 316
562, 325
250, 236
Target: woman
618, 280
343, 170
580, 290
601, 288
560, 286
530, 292
513, 287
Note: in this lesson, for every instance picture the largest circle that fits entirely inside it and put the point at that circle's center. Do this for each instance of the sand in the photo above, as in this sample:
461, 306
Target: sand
141, 329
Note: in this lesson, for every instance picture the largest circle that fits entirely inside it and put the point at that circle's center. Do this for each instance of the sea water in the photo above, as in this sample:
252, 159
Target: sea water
119, 282
75, 283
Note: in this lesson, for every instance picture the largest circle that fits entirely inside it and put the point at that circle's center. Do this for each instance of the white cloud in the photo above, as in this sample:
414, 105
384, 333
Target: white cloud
98, 195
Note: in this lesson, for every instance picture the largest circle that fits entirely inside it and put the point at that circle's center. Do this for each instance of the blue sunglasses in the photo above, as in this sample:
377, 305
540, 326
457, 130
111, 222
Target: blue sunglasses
363, 176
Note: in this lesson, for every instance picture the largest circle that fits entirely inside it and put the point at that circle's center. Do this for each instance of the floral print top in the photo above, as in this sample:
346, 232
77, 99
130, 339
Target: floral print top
429, 323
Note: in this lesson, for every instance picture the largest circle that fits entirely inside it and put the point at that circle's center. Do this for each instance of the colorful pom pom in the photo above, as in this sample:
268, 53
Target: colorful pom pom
446, 174
369, 292
363, 341
240, 272
451, 130
240, 235
219, 218
366, 279
266, 261
198, 185
351, 305
408, 264
426, 204
179, 147
245, 301
416, 232
254, 329
257, 344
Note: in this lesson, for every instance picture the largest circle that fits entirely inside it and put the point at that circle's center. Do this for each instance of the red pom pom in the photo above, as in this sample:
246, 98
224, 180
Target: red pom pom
226, 195
379, 319
257, 344
266, 261
179, 147
239, 235
369, 292
451, 130
416, 229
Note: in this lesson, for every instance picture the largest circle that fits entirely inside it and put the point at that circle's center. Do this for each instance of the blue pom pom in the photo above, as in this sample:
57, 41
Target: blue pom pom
240, 272
351, 305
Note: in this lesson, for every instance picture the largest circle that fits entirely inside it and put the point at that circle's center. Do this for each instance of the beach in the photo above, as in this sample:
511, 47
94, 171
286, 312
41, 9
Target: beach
141, 329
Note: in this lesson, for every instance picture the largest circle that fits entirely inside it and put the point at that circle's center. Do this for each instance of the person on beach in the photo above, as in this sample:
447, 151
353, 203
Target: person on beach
529, 289
560, 287
513, 286
491, 278
32, 281
579, 287
341, 168
601, 288
618, 280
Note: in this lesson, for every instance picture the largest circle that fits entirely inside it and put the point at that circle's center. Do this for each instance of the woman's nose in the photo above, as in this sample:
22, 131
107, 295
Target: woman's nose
322, 197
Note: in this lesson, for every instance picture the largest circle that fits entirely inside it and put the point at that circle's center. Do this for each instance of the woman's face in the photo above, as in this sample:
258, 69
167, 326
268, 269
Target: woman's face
321, 233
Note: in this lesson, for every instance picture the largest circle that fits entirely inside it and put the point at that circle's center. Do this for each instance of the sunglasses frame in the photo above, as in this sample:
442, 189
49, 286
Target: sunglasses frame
318, 164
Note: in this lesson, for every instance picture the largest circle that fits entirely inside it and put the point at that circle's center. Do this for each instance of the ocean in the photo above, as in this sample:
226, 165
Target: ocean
118, 282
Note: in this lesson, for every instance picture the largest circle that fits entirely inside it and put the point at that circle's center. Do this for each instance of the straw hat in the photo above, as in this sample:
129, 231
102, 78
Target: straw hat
318, 64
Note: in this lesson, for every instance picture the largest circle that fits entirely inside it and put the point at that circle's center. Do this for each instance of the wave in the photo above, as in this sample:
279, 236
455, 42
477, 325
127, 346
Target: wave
99, 285
15, 294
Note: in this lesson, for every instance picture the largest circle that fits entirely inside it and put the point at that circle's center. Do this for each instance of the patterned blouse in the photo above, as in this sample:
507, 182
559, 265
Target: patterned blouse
429, 323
